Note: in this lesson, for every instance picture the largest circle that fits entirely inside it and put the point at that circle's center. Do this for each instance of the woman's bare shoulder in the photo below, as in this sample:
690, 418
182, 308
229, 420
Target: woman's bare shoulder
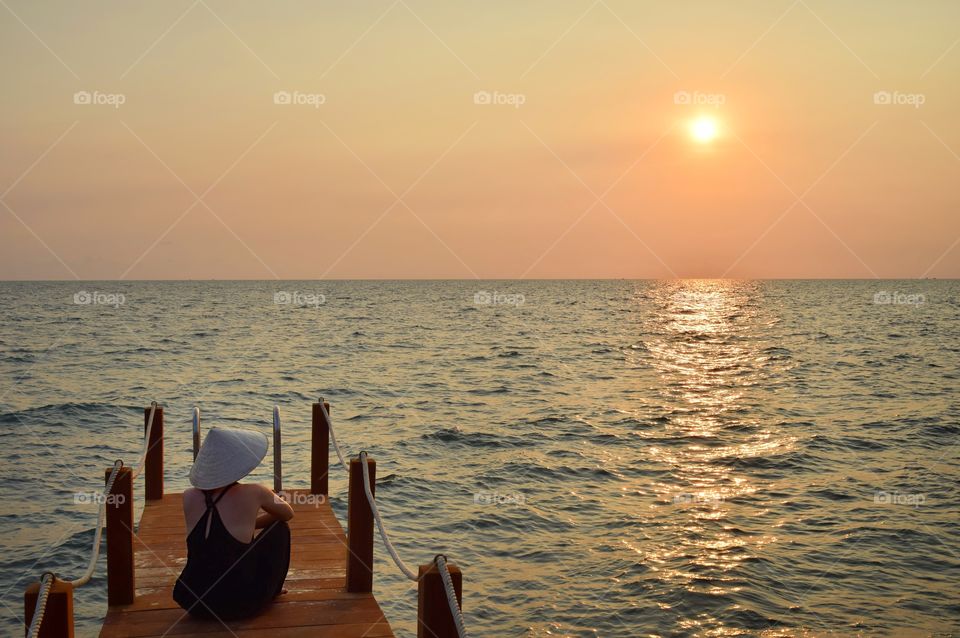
191, 496
252, 487
254, 491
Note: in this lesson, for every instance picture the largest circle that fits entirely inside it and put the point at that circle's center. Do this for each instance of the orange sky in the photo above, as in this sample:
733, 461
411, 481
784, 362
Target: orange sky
496, 140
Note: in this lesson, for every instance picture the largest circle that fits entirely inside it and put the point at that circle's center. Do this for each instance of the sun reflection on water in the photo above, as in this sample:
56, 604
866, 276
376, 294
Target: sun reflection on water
703, 348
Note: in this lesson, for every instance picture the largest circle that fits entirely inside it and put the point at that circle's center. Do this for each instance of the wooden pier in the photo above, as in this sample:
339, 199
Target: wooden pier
329, 584
316, 603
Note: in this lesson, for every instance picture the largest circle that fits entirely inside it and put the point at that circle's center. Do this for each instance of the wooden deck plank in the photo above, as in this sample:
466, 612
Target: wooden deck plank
350, 630
158, 557
317, 603
309, 589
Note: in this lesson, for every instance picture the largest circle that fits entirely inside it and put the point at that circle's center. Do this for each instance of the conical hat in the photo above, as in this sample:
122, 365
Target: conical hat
226, 456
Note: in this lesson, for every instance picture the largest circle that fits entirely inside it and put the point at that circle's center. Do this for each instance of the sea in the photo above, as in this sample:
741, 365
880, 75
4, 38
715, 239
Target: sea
608, 458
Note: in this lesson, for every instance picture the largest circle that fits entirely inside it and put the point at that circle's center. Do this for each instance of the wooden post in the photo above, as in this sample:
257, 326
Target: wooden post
277, 452
434, 619
320, 451
360, 528
196, 432
153, 463
120, 583
58, 619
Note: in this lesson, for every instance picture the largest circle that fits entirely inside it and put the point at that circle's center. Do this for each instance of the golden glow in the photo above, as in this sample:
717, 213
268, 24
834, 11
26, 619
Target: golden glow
495, 201
704, 129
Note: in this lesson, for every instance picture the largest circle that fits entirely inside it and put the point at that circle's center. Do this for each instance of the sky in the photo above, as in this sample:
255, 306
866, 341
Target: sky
223, 139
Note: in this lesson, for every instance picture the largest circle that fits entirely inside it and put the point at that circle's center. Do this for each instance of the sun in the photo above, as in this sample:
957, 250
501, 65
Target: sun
704, 129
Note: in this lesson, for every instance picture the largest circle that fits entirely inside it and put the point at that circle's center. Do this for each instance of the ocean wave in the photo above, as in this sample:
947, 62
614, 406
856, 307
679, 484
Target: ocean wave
457, 436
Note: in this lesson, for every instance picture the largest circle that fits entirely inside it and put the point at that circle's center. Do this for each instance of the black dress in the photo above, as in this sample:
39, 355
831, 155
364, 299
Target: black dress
225, 578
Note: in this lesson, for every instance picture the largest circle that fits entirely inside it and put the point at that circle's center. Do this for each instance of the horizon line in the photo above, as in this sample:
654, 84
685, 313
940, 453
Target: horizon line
459, 279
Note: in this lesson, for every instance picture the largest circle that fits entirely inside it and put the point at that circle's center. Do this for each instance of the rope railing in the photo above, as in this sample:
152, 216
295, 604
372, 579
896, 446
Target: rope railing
379, 521
333, 436
439, 560
48, 578
46, 583
98, 532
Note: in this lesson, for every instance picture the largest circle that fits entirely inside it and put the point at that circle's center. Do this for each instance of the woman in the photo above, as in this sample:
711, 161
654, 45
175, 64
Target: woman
232, 572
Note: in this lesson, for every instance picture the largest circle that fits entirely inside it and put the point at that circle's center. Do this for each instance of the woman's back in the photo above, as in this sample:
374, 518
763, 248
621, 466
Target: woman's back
237, 507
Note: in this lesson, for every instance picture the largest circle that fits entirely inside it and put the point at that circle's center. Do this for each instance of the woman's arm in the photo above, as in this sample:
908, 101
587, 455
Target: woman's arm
275, 507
